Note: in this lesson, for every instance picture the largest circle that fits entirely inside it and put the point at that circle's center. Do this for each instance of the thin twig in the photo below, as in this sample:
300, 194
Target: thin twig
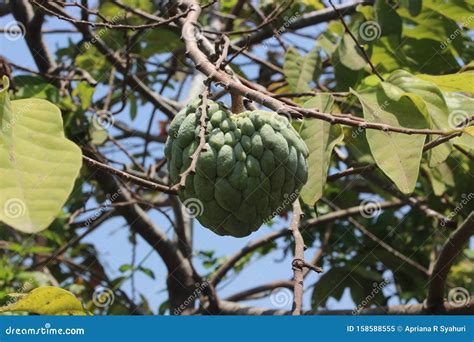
359, 46
128, 177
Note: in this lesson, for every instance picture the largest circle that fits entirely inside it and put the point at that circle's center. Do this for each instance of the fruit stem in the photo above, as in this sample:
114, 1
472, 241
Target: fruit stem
237, 103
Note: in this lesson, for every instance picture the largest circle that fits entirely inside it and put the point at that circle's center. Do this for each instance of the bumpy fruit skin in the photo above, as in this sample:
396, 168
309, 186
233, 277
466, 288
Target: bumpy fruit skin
252, 163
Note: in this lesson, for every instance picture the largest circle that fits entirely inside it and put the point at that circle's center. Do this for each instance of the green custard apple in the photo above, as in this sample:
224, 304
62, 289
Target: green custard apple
251, 165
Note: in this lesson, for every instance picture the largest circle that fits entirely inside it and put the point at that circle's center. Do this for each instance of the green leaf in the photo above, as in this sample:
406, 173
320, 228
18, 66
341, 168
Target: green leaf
133, 107
461, 82
414, 6
398, 155
160, 40
460, 108
125, 267
39, 165
84, 91
315, 4
404, 82
388, 19
299, 70
454, 9
99, 135
430, 25
349, 55
147, 271
48, 300
320, 137
92, 61
328, 40
331, 284
35, 86
440, 177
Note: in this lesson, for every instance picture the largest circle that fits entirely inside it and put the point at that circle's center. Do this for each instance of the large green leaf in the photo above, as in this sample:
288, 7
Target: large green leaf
328, 39
440, 177
35, 86
413, 6
349, 55
433, 26
38, 165
299, 70
47, 300
388, 19
435, 63
456, 10
331, 284
320, 137
397, 154
403, 82
460, 82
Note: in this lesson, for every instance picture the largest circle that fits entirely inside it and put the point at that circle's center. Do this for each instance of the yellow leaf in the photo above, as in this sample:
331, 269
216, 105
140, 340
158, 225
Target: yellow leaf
48, 300
316, 4
469, 130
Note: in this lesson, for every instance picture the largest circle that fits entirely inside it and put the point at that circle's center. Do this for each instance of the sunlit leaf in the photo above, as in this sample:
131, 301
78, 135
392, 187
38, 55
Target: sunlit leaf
397, 154
461, 82
320, 137
299, 70
39, 165
388, 18
405, 82
47, 300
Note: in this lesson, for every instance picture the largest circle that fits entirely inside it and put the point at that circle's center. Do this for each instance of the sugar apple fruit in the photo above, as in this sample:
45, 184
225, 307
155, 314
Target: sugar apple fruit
252, 166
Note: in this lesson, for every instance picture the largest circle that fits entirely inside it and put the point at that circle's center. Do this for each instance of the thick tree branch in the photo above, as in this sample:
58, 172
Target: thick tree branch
23, 13
451, 249
232, 308
249, 293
